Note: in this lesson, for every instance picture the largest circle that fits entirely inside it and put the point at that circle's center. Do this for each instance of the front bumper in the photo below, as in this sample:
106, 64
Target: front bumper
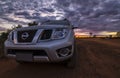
50, 47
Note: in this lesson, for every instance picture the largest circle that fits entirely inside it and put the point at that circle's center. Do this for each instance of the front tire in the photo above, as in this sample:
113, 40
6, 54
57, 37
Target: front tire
71, 63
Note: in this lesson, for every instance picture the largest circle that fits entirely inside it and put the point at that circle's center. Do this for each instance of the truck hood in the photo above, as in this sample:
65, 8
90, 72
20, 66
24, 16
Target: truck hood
43, 27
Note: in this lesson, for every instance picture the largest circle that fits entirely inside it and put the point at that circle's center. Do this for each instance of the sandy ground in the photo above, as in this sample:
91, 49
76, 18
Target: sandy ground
96, 58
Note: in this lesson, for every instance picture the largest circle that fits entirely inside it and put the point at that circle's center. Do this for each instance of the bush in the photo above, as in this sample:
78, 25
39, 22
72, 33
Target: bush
3, 37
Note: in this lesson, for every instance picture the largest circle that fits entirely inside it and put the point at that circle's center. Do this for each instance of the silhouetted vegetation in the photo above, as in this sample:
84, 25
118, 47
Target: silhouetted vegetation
118, 34
91, 34
4, 35
94, 36
34, 23
18, 26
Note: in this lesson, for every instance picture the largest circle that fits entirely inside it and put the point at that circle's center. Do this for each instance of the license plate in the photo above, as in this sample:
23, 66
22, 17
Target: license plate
24, 57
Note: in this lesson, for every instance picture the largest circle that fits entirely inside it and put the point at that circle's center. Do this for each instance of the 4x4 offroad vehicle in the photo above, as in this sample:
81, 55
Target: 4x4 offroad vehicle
52, 41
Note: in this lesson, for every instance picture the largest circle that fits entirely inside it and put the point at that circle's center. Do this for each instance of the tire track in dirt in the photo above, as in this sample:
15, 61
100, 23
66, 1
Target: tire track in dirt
87, 68
105, 58
94, 60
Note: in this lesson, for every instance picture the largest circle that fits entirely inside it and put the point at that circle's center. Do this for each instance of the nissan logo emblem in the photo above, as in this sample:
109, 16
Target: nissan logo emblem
24, 35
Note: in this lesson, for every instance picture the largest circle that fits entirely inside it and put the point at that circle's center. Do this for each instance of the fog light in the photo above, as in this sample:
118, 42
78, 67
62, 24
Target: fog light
64, 52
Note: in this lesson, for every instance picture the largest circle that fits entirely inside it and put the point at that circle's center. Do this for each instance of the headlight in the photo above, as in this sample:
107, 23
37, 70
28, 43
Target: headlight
59, 33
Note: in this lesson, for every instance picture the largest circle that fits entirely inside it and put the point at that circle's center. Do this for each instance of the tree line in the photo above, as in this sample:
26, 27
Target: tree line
4, 35
109, 36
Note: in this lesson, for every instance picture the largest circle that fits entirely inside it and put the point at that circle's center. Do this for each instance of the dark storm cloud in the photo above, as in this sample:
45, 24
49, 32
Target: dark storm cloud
96, 15
64, 3
12, 20
112, 5
93, 14
2, 29
48, 9
25, 13
109, 8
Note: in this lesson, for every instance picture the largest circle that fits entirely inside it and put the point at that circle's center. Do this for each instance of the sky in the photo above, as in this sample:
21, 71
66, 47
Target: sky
97, 16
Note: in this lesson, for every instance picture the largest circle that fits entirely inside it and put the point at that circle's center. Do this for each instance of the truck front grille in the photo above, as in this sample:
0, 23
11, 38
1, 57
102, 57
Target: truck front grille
26, 36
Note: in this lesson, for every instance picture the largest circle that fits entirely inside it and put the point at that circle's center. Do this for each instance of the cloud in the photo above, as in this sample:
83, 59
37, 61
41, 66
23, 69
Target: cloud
48, 9
13, 20
93, 15
2, 29
25, 13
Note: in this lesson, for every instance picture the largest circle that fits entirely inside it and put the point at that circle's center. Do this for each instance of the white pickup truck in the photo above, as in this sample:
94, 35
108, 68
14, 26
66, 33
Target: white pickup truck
52, 41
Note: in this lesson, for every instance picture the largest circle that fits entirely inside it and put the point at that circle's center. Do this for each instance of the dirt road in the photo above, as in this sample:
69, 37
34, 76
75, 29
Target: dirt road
96, 58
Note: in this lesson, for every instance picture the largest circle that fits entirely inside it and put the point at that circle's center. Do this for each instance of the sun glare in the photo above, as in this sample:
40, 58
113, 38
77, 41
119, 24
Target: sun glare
83, 34
107, 33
